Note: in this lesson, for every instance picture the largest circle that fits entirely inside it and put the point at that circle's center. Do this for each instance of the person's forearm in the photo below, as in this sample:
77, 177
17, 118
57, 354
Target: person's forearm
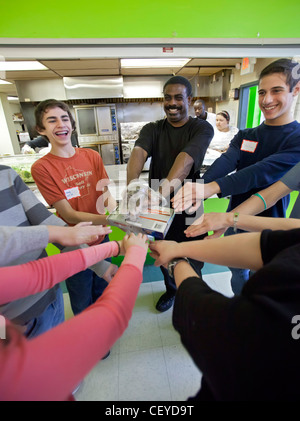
74, 217
177, 174
210, 189
61, 348
136, 163
36, 276
251, 206
271, 195
259, 223
15, 241
241, 251
183, 271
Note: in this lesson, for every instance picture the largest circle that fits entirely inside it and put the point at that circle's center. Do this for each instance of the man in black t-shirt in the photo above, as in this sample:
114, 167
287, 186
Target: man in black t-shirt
177, 146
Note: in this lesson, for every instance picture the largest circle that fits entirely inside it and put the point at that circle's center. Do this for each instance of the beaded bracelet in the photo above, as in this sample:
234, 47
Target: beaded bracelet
260, 196
119, 249
235, 221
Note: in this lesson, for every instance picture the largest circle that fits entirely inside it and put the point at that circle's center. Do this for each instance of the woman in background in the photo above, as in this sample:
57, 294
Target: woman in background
223, 132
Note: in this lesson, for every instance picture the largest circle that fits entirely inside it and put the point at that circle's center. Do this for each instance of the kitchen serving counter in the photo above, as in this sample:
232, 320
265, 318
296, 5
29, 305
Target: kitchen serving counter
22, 165
117, 173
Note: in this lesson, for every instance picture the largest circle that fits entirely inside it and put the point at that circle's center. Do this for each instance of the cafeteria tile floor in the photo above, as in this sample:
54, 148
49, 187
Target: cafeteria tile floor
148, 363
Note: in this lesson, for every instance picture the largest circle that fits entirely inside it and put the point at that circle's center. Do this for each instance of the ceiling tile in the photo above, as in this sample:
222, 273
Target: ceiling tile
88, 72
30, 74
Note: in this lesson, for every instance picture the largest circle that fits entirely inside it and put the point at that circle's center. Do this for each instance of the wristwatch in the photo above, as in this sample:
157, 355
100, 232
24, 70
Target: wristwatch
173, 263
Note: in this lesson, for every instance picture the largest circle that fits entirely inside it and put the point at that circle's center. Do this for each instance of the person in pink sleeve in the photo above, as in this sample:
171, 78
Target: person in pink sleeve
24, 364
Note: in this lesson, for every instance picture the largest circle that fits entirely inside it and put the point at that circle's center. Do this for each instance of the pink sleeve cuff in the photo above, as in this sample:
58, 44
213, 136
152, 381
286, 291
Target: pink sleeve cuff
135, 256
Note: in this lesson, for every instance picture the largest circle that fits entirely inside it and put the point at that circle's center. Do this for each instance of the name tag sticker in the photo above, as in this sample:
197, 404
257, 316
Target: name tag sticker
72, 193
248, 145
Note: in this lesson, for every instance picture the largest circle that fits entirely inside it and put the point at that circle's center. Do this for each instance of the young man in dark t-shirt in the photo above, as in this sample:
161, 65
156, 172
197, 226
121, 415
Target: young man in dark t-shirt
177, 146
256, 157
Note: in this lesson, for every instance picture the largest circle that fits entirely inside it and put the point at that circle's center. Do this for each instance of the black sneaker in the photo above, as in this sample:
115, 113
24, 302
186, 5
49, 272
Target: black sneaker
165, 302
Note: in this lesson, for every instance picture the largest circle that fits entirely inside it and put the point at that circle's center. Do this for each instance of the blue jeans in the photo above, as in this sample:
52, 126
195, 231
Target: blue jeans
51, 317
238, 276
85, 288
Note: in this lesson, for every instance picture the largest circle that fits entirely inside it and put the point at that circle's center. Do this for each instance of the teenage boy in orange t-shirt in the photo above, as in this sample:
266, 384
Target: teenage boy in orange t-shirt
74, 182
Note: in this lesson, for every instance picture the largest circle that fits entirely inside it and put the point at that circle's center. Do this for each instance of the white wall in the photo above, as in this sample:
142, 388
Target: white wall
9, 143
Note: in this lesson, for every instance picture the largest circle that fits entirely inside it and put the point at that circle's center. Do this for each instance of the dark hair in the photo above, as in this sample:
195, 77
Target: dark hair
180, 80
285, 66
225, 114
46, 105
200, 101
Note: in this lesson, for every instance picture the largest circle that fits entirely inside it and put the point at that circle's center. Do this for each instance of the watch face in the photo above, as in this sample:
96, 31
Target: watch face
173, 263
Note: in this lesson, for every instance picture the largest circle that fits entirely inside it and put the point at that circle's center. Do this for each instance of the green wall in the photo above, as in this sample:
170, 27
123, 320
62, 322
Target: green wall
149, 19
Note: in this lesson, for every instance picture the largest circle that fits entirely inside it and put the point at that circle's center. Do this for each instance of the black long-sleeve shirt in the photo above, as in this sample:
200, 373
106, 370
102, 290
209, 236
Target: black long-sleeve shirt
247, 347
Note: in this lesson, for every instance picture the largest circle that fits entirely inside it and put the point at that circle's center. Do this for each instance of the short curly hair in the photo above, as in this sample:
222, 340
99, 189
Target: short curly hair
288, 67
180, 80
45, 106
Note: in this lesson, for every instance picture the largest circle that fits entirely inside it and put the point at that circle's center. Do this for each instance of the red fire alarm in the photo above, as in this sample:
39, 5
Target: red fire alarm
168, 50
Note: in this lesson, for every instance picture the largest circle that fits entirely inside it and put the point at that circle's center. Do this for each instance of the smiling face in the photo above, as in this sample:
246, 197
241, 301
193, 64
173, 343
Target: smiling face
176, 104
275, 99
57, 126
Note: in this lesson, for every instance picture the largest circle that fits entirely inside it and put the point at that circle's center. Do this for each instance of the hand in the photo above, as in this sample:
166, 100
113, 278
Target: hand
213, 221
163, 251
133, 240
188, 197
82, 233
110, 272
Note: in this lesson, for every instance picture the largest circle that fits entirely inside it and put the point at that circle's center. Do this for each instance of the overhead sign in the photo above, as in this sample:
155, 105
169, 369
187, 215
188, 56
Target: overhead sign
168, 50
247, 65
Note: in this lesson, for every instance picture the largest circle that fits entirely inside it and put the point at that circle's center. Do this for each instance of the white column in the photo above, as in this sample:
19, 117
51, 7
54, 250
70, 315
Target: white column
9, 143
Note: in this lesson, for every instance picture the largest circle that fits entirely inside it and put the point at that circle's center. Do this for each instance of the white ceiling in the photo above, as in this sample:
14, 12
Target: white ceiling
111, 67
101, 57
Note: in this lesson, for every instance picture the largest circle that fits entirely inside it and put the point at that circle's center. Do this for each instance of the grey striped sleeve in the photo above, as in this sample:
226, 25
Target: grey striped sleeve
14, 240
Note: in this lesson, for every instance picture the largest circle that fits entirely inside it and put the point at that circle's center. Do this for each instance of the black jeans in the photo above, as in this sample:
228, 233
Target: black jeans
176, 233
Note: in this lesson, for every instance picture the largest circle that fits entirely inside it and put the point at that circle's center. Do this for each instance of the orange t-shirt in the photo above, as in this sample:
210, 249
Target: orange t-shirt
74, 179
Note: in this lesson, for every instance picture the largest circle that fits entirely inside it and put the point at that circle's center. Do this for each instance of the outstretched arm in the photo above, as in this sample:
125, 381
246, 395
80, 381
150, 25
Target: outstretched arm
135, 164
33, 277
246, 221
241, 251
85, 338
191, 195
178, 172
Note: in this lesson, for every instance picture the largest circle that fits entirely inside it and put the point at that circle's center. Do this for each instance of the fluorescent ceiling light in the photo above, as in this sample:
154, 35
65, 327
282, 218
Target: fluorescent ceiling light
21, 65
154, 62
13, 98
4, 82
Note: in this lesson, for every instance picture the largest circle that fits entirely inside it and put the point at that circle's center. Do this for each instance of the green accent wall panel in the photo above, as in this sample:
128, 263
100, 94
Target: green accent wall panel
252, 117
155, 19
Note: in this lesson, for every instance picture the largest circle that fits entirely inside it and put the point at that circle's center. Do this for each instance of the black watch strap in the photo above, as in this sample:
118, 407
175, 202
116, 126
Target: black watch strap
173, 263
